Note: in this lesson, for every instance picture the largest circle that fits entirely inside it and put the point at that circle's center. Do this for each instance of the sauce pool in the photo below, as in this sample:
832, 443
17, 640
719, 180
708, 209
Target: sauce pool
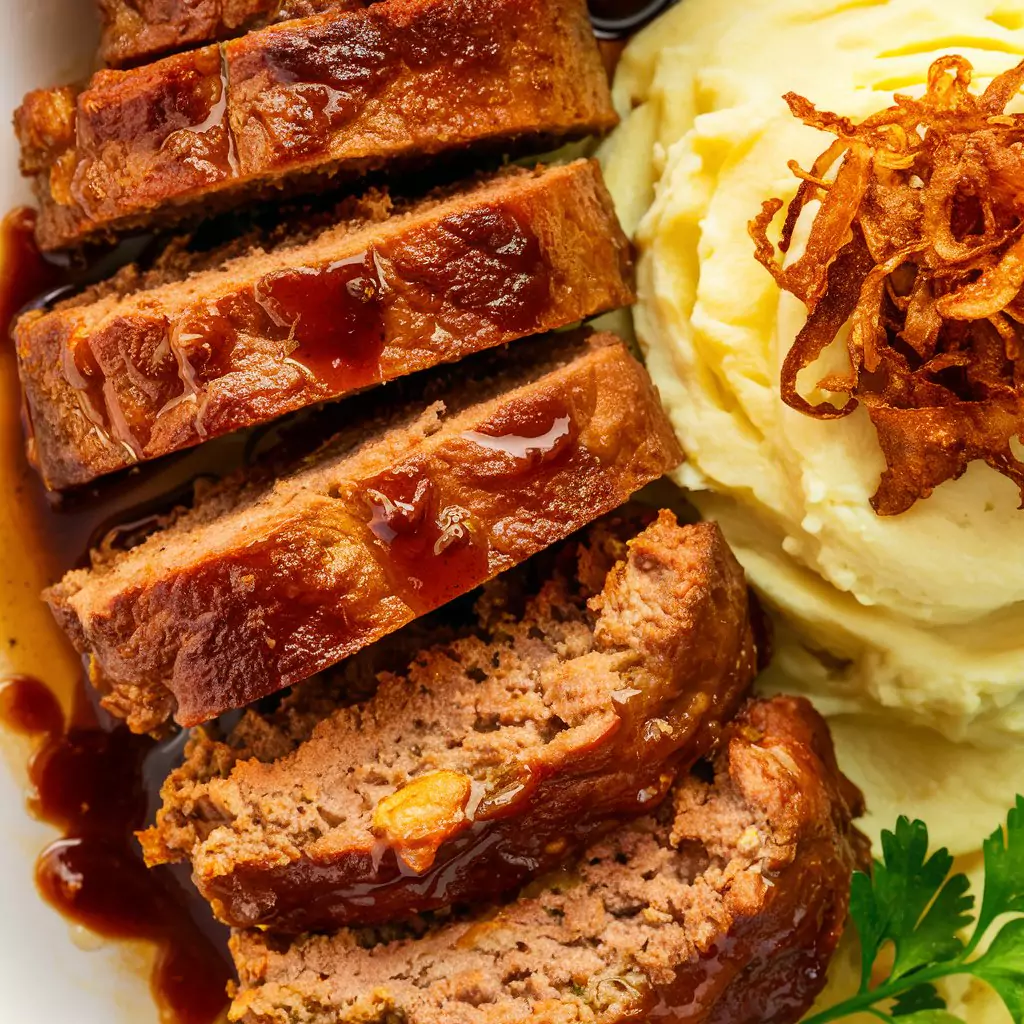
93, 780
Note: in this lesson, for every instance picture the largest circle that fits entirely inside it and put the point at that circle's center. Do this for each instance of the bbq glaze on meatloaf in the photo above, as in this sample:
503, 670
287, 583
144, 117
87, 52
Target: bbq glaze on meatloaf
722, 908
135, 31
113, 379
263, 584
488, 760
292, 105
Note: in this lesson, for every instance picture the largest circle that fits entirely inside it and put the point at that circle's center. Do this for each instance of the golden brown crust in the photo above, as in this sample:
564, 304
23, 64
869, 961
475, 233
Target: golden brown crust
135, 31
122, 380
487, 760
262, 586
724, 912
292, 105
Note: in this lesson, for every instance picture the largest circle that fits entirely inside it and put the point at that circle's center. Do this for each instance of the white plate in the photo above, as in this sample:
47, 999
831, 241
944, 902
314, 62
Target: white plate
46, 976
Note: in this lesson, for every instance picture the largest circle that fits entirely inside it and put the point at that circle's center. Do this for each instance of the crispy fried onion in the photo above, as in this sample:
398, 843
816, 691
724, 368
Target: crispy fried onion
918, 249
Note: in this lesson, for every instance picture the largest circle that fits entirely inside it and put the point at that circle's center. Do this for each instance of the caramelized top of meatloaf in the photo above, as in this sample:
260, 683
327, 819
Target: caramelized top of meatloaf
266, 582
135, 31
722, 908
149, 364
288, 107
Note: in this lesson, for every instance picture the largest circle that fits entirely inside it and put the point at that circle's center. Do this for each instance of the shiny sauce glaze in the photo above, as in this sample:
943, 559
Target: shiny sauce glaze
430, 549
82, 761
151, 384
333, 314
302, 86
183, 130
487, 262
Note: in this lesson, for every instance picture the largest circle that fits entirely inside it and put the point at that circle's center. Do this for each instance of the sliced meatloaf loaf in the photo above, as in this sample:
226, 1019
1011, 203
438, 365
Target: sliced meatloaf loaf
263, 584
723, 908
289, 106
118, 379
488, 760
135, 31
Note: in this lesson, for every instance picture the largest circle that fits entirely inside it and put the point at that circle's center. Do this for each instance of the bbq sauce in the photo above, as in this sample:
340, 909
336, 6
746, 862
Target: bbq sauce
29, 708
430, 550
93, 783
92, 779
333, 314
306, 333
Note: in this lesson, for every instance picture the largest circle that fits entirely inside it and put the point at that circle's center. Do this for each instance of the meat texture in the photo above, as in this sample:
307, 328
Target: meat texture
724, 908
135, 31
264, 583
488, 760
289, 107
121, 376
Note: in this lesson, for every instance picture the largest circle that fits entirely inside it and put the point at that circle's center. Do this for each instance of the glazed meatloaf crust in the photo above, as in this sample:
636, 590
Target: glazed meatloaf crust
724, 908
125, 378
135, 31
488, 760
264, 584
291, 105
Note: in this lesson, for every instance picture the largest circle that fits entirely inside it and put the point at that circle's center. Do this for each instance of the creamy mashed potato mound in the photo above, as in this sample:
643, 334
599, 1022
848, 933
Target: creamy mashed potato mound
907, 630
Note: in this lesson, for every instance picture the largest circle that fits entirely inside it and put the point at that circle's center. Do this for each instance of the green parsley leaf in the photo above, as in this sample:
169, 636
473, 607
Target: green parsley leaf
1002, 966
869, 921
921, 912
932, 1017
913, 902
920, 997
1004, 872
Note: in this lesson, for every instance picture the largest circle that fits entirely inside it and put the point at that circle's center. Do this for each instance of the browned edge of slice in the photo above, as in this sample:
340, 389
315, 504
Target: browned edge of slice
136, 31
127, 378
291, 106
724, 908
260, 587
489, 760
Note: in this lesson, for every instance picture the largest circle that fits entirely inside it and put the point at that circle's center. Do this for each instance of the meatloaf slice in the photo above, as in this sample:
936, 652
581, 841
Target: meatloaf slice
292, 105
125, 378
722, 908
488, 760
264, 584
135, 31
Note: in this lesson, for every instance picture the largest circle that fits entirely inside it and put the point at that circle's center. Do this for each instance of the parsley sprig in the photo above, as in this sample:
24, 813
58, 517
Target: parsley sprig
913, 905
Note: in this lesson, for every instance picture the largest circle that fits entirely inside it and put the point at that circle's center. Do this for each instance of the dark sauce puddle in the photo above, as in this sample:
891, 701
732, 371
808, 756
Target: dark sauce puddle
90, 777
97, 783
